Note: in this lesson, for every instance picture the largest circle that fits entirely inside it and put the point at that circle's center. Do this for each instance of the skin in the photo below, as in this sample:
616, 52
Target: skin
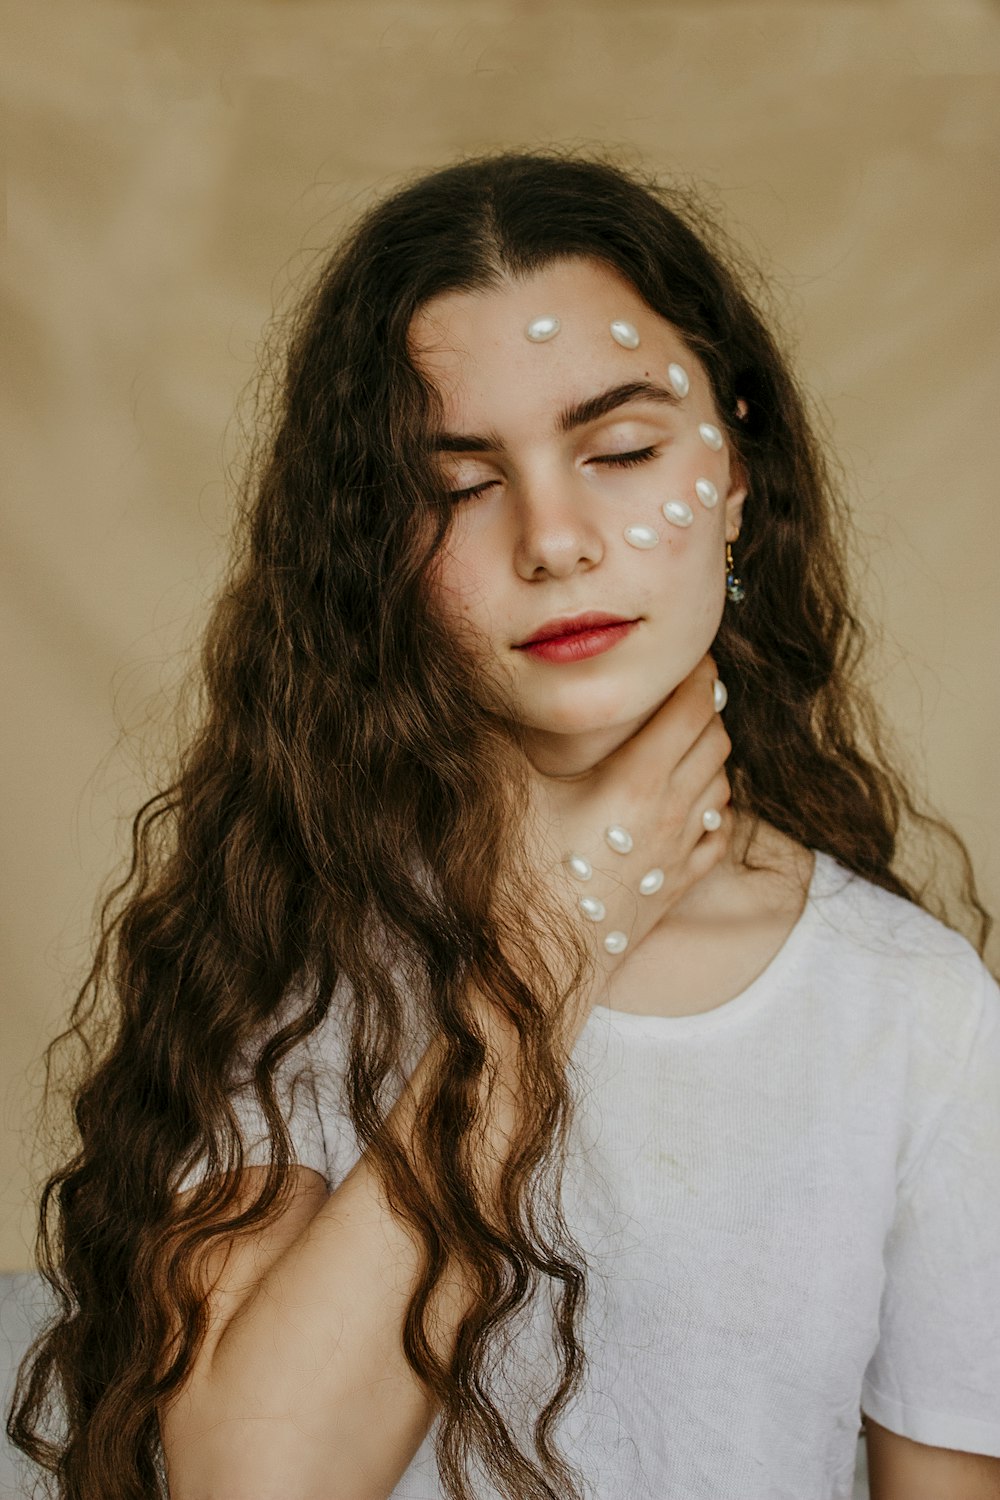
543, 538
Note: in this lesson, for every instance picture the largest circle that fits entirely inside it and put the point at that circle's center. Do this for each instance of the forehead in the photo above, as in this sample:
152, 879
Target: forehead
472, 345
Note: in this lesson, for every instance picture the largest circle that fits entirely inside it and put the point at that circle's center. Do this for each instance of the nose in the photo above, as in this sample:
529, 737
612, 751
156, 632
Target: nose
557, 525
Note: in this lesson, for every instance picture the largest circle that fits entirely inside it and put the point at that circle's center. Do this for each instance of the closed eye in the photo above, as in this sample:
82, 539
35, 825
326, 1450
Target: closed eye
614, 460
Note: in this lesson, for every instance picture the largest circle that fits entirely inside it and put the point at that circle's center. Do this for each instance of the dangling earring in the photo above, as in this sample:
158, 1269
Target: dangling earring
734, 585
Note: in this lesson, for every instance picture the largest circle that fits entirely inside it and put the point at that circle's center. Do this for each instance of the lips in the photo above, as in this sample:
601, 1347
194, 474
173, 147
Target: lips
572, 625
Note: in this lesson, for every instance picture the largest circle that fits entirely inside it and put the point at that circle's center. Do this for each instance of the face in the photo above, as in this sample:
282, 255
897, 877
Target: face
547, 516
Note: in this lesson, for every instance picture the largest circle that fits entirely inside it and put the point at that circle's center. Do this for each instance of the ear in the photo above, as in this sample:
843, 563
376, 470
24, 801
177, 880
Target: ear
739, 485
738, 490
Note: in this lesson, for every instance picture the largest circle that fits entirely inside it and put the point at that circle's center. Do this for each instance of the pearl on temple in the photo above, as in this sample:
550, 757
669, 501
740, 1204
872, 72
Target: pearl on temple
650, 882
678, 512
616, 942
625, 334
679, 379
706, 492
641, 536
710, 435
592, 908
540, 329
580, 867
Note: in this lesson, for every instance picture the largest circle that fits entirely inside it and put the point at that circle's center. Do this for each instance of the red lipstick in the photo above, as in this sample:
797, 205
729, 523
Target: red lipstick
569, 624
575, 637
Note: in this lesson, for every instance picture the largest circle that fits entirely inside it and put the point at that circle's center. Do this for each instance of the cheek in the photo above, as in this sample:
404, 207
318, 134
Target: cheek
457, 578
687, 568
692, 482
692, 582
460, 582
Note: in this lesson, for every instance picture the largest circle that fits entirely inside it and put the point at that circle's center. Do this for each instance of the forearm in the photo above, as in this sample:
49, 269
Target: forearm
308, 1395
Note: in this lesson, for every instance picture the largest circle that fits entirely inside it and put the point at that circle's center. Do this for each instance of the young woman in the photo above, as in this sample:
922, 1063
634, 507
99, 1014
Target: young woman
526, 1069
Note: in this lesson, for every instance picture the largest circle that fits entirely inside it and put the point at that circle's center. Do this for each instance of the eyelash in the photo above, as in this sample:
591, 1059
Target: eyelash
612, 460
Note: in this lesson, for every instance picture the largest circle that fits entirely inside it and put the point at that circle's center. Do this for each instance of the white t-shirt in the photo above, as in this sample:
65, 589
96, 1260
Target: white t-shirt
790, 1211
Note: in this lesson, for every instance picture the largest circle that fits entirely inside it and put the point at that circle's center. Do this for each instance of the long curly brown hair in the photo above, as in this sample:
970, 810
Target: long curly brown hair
351, 790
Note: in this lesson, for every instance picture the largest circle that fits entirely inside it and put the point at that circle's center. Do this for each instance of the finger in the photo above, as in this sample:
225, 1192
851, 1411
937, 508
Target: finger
717, 796
706, 758
711, 848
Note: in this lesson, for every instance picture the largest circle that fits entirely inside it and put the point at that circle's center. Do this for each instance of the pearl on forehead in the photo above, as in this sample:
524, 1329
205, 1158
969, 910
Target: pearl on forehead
540, 329
679, 379
677, 512
706, 492
625, 334
710, 435
641, 536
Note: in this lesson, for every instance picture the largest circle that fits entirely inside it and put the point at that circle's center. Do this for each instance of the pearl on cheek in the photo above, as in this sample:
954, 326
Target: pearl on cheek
678, 512
641, 536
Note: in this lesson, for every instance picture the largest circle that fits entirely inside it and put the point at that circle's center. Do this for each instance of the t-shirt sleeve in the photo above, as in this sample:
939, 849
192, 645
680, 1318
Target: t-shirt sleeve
309, 1093
935, 1374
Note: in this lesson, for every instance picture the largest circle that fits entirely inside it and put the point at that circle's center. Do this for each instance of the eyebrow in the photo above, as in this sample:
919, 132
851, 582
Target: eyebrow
572, 417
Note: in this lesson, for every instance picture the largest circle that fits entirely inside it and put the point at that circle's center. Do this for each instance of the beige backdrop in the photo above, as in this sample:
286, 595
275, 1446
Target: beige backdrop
173, 169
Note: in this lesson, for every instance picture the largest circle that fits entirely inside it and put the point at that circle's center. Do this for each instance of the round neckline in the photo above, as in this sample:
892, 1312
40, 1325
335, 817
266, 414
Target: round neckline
749, 998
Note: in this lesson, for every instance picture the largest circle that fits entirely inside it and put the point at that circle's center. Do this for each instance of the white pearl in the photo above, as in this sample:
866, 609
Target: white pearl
651, 882
720, 695
710, 435
711, 819
619, 838
641, 536
540, 329
581, 867
677, 511
625, 334
679, 379
616, 942
592, 908
706, 492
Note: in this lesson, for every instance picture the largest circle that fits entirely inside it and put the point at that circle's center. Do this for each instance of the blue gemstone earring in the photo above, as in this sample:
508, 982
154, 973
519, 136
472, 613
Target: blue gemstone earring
734, 585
